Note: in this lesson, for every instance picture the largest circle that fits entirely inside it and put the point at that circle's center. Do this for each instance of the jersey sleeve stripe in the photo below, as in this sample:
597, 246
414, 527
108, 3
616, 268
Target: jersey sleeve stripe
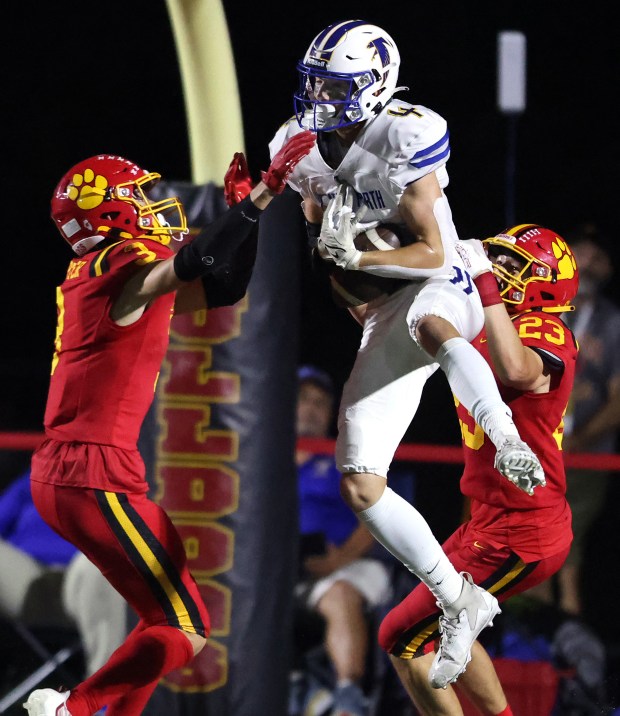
443, 156
436, 152
100, 265
434, 147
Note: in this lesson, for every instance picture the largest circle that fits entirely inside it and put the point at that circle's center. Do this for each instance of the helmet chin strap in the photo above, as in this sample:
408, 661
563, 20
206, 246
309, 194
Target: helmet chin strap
84, 245
380, 107
318, 117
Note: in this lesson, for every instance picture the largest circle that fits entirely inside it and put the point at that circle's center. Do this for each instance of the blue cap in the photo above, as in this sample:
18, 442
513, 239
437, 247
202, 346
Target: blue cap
312, 374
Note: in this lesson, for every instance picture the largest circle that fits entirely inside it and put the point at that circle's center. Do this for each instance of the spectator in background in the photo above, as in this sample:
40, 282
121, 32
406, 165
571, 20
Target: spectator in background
47, 581
339, 580
593, 416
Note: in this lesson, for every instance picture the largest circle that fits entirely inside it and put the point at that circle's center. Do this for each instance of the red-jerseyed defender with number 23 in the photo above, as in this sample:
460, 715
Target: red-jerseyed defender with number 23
512, 541
88, 479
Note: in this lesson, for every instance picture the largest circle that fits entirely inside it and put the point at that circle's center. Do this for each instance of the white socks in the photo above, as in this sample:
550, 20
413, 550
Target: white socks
402, 530
472, 382
395, 523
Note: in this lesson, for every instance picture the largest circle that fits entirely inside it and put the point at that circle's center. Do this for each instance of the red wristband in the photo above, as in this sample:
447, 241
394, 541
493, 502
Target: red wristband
486, 283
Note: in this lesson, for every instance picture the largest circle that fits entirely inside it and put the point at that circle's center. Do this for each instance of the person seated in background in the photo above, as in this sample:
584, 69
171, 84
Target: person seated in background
339, 580
46, 581
593, 416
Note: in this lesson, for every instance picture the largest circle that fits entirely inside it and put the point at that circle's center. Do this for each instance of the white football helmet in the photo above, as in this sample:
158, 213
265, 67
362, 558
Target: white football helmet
348, 75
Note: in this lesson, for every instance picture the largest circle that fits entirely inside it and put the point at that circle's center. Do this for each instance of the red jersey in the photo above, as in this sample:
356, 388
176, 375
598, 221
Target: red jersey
104, 375
539, 525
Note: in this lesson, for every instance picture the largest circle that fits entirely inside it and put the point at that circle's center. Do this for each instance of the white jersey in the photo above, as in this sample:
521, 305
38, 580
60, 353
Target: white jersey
403, 143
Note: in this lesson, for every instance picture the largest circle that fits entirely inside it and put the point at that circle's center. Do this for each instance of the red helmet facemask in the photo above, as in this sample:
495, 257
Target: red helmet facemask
549, 278
106, 196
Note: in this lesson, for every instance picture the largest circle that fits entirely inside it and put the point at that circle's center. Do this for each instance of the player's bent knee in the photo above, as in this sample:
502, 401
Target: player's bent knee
198, 642
432, 331
349, 488
342, 595
386, 635
361, 490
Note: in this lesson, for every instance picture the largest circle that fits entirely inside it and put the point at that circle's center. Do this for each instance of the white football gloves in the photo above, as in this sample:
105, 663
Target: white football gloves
474, 256
339, 229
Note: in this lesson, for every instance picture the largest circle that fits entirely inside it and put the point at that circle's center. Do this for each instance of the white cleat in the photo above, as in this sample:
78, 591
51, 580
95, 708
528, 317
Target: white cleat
47, 702
459, 627
516, 461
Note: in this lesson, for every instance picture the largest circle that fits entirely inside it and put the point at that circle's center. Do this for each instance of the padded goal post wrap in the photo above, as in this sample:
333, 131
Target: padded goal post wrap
218, 446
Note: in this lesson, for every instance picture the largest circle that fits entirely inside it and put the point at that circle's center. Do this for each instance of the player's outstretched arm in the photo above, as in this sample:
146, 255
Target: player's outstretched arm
214, 269
231, 241
216, 246
238, 181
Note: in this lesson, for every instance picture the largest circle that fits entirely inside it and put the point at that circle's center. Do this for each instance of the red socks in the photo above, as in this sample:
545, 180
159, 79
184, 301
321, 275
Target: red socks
132, 672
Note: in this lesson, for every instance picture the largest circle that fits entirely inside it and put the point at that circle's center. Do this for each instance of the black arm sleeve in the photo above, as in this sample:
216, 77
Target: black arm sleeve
214, 251
229, 285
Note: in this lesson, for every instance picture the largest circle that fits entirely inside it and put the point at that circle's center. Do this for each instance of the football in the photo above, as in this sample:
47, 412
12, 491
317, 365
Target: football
354, 288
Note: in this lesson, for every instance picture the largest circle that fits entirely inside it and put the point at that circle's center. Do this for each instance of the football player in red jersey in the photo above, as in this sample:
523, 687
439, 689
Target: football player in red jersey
88, 478
512, 541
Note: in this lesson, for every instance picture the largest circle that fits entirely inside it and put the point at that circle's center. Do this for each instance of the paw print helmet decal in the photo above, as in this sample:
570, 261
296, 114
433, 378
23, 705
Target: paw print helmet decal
106, 196
547, 276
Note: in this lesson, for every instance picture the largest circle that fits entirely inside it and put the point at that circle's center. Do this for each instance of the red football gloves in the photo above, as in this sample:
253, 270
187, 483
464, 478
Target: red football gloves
287, 159
238, 182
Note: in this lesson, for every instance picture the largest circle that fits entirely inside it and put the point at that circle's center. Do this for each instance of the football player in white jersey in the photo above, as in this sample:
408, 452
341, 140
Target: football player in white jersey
380, 160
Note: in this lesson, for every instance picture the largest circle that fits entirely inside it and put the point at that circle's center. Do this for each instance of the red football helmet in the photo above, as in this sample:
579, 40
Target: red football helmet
549, 278
106, 196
